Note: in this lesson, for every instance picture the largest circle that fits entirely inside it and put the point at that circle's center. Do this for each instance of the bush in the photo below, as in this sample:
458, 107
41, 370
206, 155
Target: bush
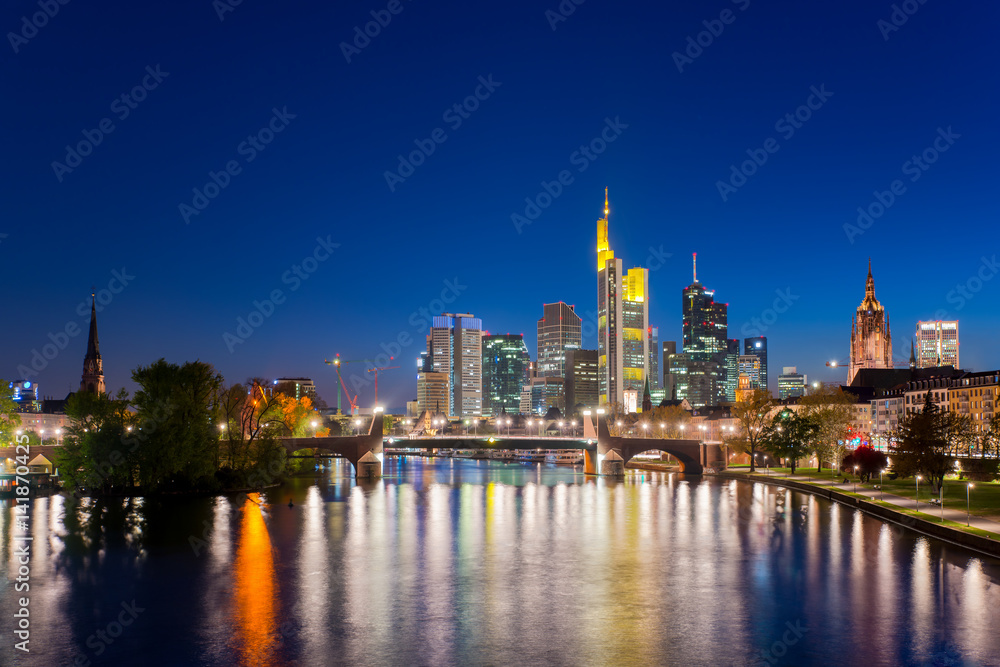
978, 470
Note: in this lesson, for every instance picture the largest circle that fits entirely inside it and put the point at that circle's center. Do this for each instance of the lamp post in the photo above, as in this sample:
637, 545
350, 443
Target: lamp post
314, 425
644, 427
968, 488
855, 479
663, 432
881, 487
916, 502
941, 500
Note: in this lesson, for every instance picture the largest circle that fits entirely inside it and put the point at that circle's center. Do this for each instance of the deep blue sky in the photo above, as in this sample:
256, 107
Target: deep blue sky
323, 175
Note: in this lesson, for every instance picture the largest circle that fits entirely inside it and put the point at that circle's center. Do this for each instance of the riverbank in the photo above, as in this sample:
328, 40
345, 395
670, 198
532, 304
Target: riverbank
980, 535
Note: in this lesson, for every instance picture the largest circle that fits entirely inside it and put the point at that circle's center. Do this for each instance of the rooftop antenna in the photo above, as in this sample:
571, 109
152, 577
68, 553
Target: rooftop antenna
694, 261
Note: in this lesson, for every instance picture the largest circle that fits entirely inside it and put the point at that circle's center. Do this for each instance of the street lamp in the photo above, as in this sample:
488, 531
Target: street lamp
644, 427
968, 488
314, 425
916, 502
855, 479
663, 427
881, 488
560, 428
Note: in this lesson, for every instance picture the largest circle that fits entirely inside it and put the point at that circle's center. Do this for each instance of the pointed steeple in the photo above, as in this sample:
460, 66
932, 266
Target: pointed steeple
93, 367
694, 265
647, 400
606, 208
870, 282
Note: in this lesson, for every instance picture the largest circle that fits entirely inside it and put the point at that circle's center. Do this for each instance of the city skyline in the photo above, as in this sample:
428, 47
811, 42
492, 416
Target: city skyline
302, 211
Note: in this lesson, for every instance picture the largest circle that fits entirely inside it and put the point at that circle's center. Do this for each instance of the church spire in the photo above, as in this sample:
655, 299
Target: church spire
93, 367
870, 282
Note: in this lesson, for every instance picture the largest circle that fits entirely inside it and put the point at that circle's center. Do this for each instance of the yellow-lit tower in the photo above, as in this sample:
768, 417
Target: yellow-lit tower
609, 315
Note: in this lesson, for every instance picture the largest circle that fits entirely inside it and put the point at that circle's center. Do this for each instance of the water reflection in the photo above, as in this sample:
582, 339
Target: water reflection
255, 591
471, 562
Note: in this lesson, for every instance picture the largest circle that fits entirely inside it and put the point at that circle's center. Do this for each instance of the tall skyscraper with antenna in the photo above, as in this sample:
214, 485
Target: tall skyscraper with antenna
622, 322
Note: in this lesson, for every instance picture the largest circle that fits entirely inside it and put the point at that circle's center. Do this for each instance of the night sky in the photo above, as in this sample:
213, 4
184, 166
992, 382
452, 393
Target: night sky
313, 183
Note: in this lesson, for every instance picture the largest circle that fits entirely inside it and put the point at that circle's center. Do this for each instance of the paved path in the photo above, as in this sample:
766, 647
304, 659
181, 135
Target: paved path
930, 511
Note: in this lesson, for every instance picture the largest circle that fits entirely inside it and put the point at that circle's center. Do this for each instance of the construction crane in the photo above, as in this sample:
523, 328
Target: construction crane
337, 362
376, 372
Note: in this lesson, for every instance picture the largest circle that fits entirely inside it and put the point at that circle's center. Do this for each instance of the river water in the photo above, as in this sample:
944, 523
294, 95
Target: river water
464, 562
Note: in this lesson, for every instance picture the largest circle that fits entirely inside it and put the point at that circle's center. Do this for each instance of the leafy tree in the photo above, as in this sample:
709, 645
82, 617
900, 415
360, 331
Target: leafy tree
672, 417
178, 443
98, 454
922, 445
251, 424
831, 410
989, 440
790, 435
752, 416
10, 420
869, 462
297, 417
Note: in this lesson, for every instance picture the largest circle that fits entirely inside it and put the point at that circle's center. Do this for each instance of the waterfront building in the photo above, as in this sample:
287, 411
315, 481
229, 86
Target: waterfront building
757, 346
975, 395
558, 331
871, 339
791, 383
454, 345
505, 370
937, 343
92, 379
581, 379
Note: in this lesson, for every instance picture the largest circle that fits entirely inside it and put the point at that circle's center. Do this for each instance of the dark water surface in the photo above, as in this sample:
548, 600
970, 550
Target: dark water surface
482, 563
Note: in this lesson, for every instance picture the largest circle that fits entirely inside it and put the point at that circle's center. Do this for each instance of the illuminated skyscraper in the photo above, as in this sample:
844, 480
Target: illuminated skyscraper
654, 359
558, 331
758, 347
700, 371
871, 340
455, 346
505, 372
937, 343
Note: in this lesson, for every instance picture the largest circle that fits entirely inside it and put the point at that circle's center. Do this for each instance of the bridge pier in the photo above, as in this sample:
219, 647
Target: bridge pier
368, 467
613, 465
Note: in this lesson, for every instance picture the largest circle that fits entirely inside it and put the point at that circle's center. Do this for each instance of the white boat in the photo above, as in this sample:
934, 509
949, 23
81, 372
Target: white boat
569, 457
504, 455
530, 456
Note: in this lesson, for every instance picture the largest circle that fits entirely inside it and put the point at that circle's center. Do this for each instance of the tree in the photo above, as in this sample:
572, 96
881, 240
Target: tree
922, 444
98, 453
831, 410
752, 415
179, 440
790, 436
298, 416
10, 420
868, 462
250, 425
672, 417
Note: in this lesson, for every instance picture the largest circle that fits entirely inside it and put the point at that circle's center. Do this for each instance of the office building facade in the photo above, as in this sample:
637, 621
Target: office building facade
559, 330
505, 372
937, 343
757, 347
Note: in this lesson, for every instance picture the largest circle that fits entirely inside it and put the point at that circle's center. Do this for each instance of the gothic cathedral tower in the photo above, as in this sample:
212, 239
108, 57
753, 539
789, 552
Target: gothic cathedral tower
93, 367
871, 340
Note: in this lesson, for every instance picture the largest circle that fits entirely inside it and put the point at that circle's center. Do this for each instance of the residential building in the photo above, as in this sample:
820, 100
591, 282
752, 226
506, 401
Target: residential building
505, 371
937, 343
558, 331
871, 339
975, 395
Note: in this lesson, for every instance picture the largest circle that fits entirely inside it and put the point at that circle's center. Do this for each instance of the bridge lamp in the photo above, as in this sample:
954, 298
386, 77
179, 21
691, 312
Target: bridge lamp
379, 409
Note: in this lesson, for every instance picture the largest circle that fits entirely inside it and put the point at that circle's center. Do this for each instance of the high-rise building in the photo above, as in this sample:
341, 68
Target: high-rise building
558, 331
540, 394
455, 346
937, 343
505, 372
92, 380
581, 379
871, 340
700, 371
433, 393
749, 365
622, 320
732, 368
654, 359
791, 383
669, 348
758, 347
